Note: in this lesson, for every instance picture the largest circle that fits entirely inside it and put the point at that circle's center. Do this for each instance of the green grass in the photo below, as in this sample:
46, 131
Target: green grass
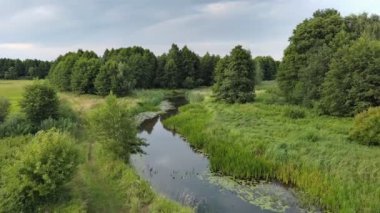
102, 183
261, 141
12, 90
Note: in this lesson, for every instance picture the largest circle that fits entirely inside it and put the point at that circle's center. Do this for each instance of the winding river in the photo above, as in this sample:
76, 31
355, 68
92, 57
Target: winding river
180, 173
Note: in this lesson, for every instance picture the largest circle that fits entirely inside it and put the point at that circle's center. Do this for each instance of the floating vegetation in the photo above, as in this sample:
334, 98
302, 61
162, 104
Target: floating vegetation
268, 196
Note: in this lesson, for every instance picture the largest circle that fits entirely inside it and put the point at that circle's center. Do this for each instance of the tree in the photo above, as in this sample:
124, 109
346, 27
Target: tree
235, 81
115, 129
310, 38
38, 173
114, 77
173, 73
207, 66
39, 102
84, 74
266, 68
353, 82
190, 68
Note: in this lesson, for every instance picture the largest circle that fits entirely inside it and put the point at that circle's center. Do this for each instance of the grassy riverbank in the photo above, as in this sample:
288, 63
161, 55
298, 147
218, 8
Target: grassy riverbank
101, 183
271, 140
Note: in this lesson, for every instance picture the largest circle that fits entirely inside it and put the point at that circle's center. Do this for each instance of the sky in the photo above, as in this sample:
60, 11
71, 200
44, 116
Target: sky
45, 29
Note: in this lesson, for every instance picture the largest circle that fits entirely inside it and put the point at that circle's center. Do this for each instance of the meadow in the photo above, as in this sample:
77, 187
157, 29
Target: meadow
271, 140
101, 183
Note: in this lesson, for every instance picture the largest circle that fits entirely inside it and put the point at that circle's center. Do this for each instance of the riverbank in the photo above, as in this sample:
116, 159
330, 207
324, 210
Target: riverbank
271, 140
101, 182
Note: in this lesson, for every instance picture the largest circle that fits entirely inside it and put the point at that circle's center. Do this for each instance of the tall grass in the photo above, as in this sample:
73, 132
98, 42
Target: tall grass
261, 141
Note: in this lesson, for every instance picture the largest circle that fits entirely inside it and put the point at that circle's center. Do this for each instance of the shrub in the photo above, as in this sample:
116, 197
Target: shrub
39, 172
16, 125
366, 129
114, 127
40, 102
4, 108
294, 113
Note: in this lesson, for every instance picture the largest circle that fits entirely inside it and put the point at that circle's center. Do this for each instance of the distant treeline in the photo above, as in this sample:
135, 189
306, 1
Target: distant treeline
333, 63
16, 69
121, 70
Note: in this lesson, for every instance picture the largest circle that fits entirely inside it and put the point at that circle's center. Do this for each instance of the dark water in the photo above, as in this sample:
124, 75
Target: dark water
175, 170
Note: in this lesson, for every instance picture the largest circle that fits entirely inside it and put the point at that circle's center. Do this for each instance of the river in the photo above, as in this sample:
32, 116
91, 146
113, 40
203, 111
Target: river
180, 173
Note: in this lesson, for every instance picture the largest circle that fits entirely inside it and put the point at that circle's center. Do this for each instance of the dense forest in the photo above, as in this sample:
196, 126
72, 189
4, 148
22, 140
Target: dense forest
122, 70
332, 62
27, 69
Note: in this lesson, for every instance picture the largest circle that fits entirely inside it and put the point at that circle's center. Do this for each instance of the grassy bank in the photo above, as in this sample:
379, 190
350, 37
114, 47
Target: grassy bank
101, 183
270, 140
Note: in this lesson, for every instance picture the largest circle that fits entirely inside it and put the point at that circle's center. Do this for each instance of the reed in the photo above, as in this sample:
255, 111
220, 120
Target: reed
261, 141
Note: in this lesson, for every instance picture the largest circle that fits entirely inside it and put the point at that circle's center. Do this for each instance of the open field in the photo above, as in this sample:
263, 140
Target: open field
12, 90
270, 140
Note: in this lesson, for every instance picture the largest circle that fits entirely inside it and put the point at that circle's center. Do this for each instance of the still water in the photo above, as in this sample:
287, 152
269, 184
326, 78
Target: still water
180, 173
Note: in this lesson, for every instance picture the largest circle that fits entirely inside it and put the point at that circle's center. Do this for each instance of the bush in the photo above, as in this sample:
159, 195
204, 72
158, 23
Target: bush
294, 113
4, 108
366, 129
16, 125
38, 174
115, 129
40, 102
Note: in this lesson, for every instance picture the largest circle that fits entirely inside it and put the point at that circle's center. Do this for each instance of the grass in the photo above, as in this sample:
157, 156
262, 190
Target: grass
271, 140
12, 90
102, 183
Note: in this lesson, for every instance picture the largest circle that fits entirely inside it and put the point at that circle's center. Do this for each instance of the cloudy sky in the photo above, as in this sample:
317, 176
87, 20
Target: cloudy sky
44, 29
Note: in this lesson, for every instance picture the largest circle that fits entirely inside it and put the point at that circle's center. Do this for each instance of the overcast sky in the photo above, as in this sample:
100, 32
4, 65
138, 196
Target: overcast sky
44, 29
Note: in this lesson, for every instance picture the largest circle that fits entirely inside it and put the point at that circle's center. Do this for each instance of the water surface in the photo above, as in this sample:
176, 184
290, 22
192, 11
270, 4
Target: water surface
178, 172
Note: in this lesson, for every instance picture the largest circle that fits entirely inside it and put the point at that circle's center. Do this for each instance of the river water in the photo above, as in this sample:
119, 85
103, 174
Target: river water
180, 173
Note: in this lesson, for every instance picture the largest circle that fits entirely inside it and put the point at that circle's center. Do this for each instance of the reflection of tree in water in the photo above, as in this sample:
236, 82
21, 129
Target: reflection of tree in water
148, 124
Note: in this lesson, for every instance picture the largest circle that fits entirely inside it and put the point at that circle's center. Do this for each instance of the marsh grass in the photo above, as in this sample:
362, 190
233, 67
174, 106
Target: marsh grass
313, 153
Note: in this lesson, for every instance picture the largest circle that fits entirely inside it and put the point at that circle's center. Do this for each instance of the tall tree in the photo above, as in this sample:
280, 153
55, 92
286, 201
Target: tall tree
352, 85
235, 81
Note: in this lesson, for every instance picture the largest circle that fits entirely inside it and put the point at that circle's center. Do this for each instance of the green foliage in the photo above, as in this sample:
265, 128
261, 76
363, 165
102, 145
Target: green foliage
256, 141
207, 66
63, 69
16, 69
16, 125
235, 77
39, 102
266, 68
193, 97
4, 108
352, 85
306, 58
325, 61
294, 112
115, 78
39, 172
366, 129
114, 127
84, 74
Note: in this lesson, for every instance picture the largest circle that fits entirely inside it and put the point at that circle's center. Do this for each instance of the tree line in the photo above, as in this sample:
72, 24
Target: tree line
121, 70
333, 63
29, 68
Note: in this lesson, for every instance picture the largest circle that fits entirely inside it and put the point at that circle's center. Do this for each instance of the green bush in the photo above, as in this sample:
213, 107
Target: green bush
16, 125
4, 108
115, 129
38, 174
366, 129
40, 102
294, 113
